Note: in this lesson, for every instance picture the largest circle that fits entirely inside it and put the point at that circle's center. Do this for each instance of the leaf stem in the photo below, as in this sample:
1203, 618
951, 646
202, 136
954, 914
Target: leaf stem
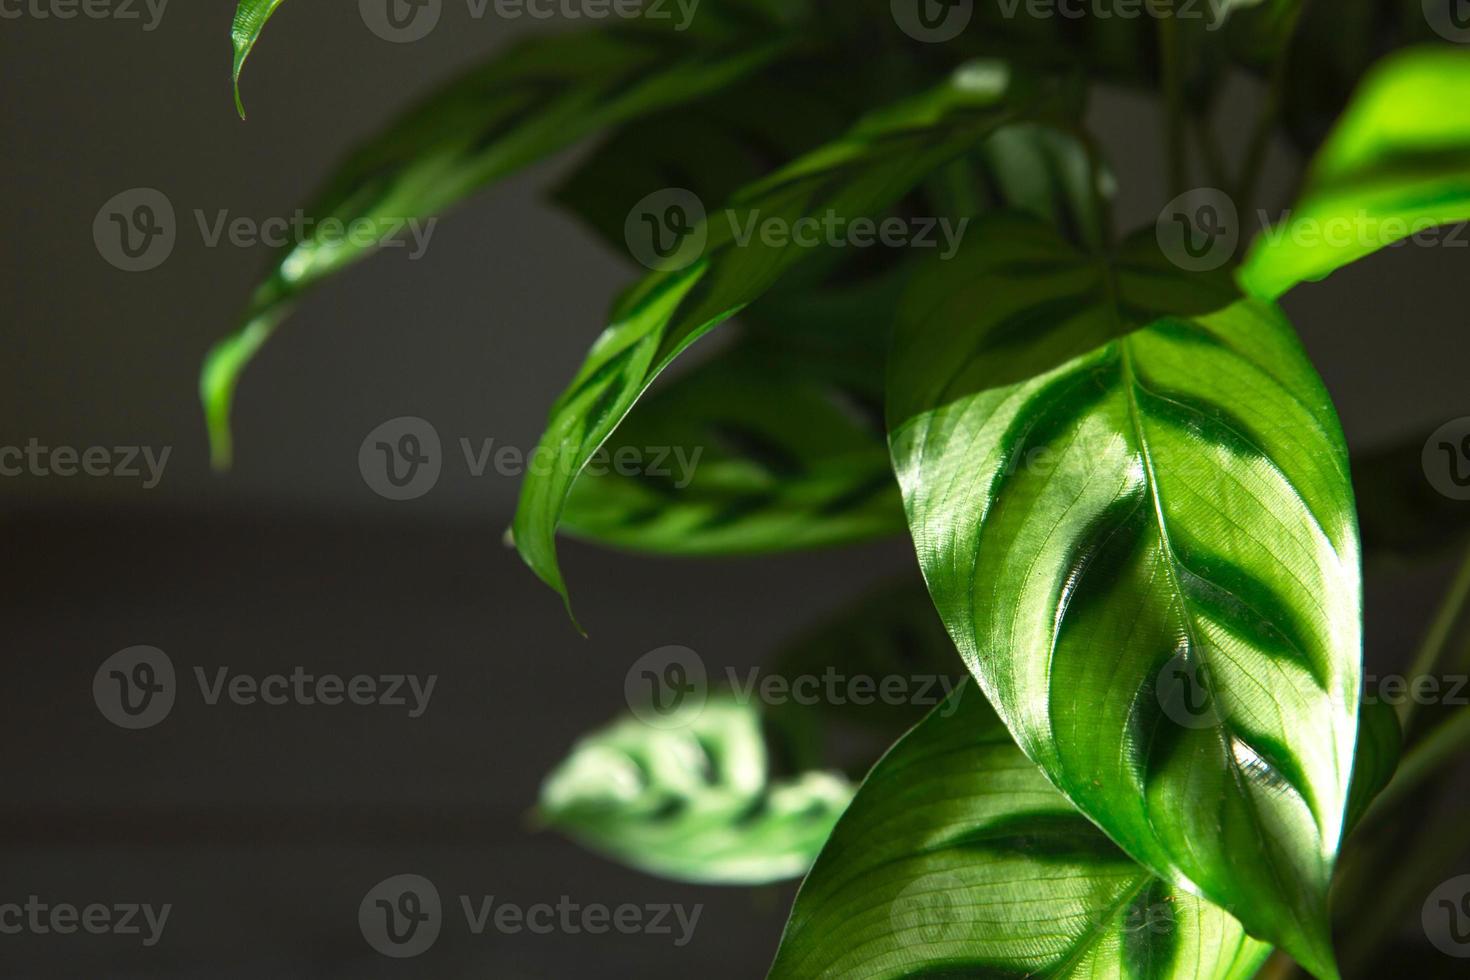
1433, 645
1171, 66
1438, 748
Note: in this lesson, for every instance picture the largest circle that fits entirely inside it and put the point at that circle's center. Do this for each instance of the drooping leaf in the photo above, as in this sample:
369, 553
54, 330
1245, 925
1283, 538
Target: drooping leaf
539, 97
958, 858
692, 798
1380, 740
776, 444
862, 174
250, 18
1397, 164
786, 428
1144, 546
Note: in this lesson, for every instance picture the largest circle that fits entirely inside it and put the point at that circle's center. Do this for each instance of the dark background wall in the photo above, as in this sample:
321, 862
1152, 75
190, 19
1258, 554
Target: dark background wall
264, 827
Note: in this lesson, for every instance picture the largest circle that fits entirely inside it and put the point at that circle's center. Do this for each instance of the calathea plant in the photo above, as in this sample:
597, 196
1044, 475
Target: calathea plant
1128, 491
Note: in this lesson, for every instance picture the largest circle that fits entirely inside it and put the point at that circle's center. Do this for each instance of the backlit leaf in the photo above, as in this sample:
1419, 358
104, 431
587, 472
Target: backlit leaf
1396, 165
1144, 545
957, 858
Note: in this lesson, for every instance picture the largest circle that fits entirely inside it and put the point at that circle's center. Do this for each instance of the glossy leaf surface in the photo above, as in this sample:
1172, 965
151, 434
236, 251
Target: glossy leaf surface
693, 799
1396, 165
1144, 546
539, 97
958, 858
774, 445
880, 160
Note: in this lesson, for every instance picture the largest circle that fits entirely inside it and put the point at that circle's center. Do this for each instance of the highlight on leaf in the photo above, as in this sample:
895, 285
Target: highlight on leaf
958, 858
1135, 517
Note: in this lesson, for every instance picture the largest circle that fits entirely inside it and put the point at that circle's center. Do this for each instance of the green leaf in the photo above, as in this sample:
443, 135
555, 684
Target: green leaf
1397, 164
1114, 524
958, 858
537, 98
250, 18
880, 160
786, 428
1380, 739
692, 799
776, 444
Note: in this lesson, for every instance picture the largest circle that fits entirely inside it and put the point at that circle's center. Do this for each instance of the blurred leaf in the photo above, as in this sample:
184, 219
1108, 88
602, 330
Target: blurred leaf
861, 175
1163, 516
250, 18
692, 799
958, 858
776, 444
1397, 163
536, 98
891, 641
1402, 515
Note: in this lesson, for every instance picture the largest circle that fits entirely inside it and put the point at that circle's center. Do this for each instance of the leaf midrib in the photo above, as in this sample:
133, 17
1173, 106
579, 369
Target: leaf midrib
1131, 384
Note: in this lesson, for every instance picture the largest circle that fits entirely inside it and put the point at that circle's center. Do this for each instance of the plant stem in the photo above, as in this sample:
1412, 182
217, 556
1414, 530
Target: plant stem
1433, 644
1278, 967
1438, 748
1171, 66
1407, 881
1208, 147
